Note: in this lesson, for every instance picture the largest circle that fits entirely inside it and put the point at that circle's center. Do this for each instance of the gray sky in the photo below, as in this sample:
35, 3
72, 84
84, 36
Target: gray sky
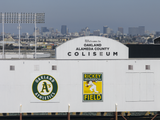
78, 14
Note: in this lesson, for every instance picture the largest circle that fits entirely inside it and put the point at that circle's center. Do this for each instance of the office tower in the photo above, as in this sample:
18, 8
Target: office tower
136, 30
96, 32
133, 31
64, 29
44, 29
157, 33
105, 29
120, 29
85, 31
141, 30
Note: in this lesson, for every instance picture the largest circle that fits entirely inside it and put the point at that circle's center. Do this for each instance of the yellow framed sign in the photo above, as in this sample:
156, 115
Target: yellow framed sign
92, 87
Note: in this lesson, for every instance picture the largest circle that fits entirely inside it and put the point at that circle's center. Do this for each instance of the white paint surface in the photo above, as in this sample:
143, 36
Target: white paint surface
16, 89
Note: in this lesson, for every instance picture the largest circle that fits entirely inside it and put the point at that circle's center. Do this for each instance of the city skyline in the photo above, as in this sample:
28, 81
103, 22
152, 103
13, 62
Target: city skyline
80, 14
106, 31
136, 30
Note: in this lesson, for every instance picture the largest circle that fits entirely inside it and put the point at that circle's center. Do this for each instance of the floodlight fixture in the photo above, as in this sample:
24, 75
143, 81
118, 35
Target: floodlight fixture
13, 17
29, 18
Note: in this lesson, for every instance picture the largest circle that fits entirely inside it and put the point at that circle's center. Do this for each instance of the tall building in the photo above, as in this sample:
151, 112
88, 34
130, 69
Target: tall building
158, 33
64, 29
85, 31
120, 29
136, 30
96, 32
44, 29
133, 30
141, 30
105, 29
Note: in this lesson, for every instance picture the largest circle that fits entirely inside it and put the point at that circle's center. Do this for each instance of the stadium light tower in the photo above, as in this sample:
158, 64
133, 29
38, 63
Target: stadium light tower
19, 18
19, 27
3, 32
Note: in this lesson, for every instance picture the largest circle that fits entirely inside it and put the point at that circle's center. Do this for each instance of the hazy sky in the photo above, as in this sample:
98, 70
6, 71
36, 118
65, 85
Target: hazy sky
78, 14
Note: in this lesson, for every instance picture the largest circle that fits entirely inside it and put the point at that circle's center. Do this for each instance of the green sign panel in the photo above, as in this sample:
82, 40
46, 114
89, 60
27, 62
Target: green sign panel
44, 87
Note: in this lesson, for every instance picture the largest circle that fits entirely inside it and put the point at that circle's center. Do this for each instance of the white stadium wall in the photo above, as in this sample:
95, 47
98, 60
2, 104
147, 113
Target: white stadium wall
88, 85
132, 90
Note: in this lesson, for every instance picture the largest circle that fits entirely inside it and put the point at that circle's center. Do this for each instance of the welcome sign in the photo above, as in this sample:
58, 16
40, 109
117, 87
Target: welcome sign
92, 47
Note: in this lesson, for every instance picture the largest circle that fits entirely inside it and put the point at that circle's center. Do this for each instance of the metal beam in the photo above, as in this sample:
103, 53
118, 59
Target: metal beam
154, 116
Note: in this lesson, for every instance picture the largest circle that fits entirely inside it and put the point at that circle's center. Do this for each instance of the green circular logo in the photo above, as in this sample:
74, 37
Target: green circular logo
44, 87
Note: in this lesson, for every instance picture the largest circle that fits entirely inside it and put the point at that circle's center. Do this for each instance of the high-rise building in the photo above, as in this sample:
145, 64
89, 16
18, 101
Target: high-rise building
157, 33
120, 29
64, 29
105, 29
136, 30
141, 30
44, 29
133, 30
96, 32
85, 31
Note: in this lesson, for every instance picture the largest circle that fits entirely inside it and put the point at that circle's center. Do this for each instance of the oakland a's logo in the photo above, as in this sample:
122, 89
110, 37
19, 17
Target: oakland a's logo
44, 87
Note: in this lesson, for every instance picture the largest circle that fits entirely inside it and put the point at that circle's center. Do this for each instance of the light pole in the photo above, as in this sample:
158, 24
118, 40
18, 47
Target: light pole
35, 37
3, 33
19, 27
